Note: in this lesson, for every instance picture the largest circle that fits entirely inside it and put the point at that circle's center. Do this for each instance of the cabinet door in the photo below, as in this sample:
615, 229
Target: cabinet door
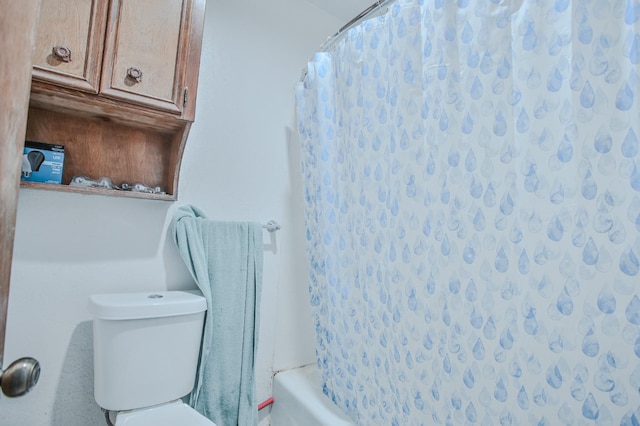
69, 43
145, 52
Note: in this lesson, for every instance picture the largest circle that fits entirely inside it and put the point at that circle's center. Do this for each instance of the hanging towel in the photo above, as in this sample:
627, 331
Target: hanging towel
225, 259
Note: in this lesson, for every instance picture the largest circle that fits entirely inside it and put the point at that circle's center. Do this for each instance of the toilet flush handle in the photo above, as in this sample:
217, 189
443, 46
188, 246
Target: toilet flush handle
20, 377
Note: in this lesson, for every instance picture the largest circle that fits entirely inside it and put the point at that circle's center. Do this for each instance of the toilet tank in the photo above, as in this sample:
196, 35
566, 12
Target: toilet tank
145, 347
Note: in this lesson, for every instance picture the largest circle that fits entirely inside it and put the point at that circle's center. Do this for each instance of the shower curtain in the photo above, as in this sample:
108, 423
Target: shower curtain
472, 189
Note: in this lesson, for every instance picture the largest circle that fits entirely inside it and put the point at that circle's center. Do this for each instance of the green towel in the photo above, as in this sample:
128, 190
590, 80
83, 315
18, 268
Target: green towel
225, 259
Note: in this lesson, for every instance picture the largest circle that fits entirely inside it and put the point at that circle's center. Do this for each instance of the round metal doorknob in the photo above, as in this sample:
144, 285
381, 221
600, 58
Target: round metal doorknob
20, 377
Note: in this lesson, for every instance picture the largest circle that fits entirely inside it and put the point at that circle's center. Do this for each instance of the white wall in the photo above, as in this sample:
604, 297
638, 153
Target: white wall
241, 163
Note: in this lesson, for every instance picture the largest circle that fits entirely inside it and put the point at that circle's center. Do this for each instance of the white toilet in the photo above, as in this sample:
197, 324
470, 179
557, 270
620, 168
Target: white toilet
146, 348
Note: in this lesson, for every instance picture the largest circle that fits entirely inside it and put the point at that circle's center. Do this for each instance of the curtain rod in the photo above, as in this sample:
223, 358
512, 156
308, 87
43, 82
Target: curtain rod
336, 37
359, 17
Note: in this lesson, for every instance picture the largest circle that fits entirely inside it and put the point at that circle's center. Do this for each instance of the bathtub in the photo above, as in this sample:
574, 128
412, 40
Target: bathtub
298, 400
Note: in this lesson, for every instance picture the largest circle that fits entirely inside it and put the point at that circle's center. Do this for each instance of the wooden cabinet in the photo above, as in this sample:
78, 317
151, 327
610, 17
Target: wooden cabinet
123, 103
69, 43
142, 43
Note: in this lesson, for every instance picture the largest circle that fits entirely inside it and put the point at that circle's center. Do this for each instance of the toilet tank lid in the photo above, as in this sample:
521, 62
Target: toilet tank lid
123, 306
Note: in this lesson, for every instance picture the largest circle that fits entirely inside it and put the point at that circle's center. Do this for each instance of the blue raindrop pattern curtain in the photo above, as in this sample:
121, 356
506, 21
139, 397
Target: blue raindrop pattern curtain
472, 189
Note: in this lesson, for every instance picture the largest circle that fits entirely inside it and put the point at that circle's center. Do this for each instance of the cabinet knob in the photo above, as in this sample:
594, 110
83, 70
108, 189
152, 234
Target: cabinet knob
134, 74
62, 53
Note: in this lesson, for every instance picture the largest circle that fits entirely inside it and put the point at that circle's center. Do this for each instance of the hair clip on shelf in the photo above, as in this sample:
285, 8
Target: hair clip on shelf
85, 182
141, 187
106, 183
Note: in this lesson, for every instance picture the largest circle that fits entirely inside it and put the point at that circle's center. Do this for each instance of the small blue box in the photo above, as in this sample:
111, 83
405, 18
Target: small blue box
42, 162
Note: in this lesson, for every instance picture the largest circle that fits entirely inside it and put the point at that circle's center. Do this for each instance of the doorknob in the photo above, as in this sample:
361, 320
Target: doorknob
20, 377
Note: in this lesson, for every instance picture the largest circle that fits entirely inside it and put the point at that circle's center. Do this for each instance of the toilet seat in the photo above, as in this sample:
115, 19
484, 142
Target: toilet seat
171, 414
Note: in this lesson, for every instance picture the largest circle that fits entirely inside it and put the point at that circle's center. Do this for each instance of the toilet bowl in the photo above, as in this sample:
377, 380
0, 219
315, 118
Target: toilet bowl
145, 353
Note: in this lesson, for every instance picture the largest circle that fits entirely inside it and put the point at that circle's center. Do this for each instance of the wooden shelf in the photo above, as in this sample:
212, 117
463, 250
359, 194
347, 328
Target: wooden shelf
96, 191
98, 148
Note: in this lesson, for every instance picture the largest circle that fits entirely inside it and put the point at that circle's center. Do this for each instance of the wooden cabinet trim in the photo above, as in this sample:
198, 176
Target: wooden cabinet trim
193, 54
